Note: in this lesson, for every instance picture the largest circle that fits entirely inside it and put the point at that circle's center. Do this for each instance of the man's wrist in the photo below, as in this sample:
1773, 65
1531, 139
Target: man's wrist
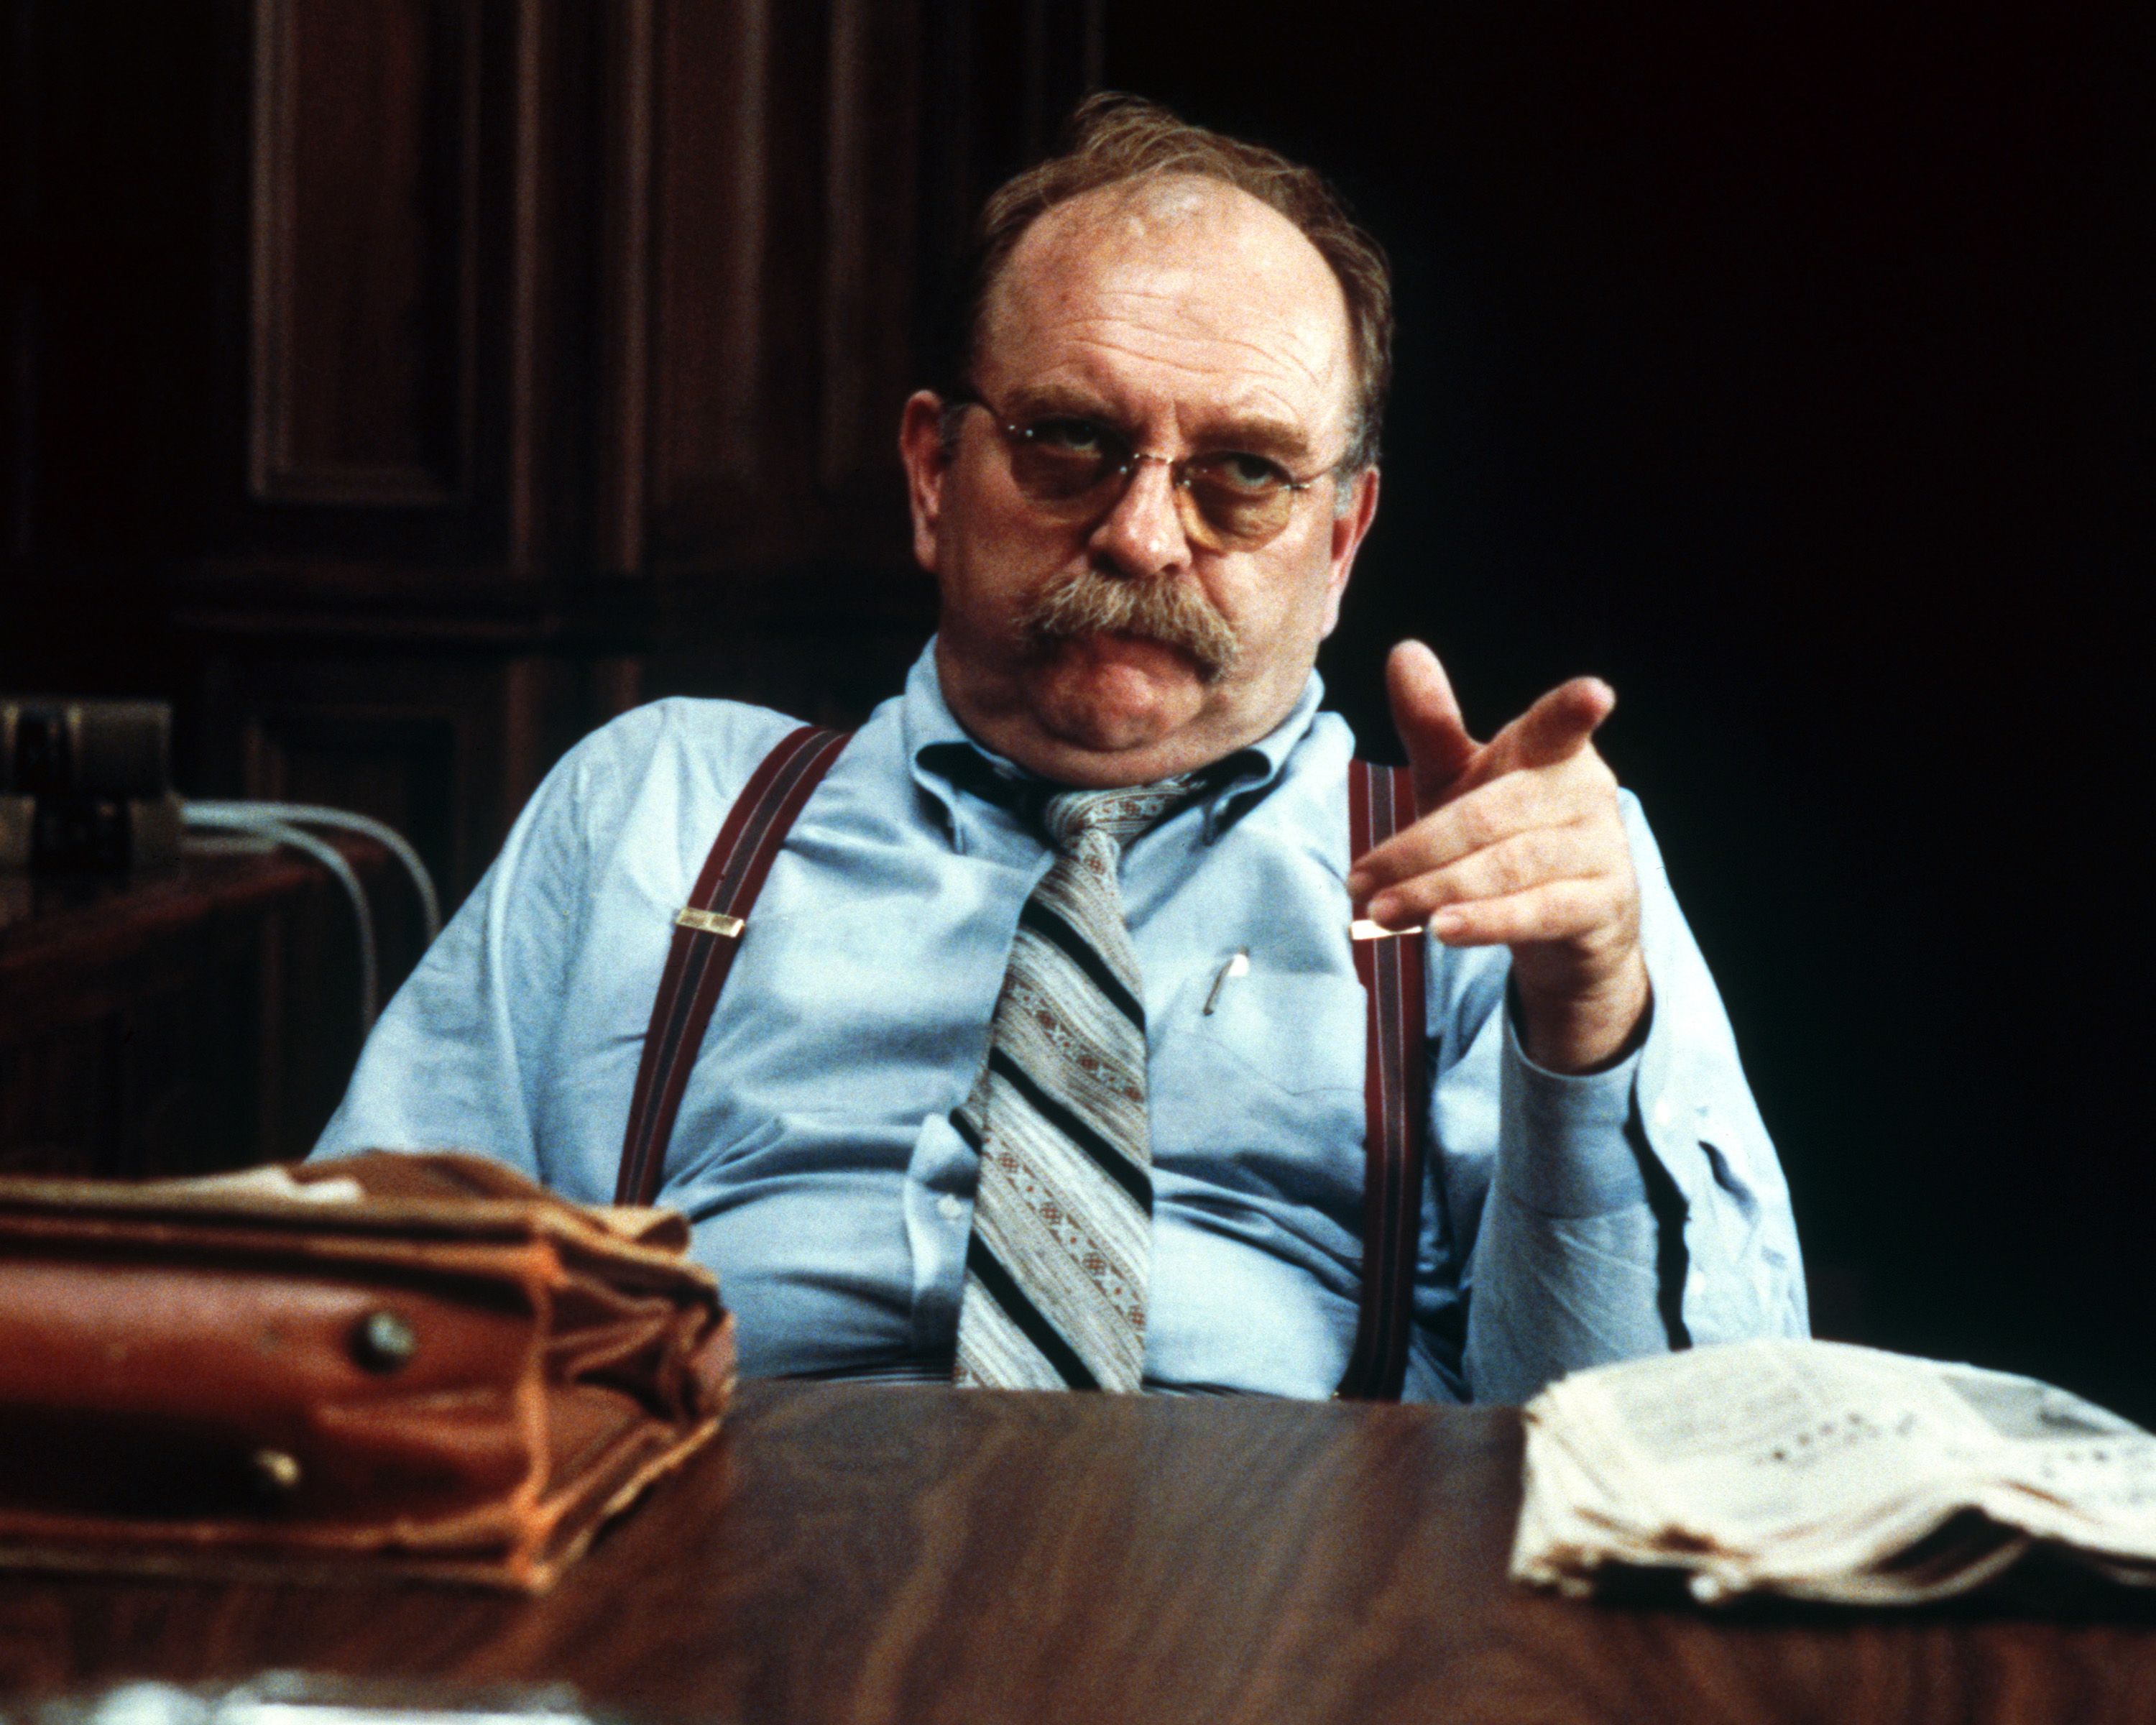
1583, 1030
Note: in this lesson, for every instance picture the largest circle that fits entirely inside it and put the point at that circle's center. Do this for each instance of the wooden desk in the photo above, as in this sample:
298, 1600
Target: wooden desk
866, 1553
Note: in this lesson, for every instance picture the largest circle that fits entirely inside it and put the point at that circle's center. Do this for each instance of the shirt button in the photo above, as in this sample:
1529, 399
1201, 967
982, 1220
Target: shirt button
1663, 1112
950, 1208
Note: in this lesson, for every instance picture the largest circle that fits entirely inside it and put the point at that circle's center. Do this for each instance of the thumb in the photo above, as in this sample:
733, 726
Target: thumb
1426, 714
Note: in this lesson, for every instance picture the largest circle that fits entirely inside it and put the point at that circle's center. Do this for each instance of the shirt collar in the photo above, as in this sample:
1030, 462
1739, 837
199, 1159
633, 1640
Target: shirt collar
945, 757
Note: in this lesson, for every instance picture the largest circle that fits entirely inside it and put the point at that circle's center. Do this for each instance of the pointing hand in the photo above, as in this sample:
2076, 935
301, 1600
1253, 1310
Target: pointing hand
1521, 845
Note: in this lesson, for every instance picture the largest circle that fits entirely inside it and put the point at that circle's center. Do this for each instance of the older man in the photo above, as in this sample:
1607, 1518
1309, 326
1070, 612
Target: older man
1042, 1058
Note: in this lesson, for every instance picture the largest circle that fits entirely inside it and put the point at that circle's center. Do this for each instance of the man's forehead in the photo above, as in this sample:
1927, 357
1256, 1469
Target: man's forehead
1179, 270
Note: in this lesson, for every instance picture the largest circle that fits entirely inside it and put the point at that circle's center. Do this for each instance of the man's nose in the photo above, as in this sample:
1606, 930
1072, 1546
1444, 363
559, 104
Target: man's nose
1144, 536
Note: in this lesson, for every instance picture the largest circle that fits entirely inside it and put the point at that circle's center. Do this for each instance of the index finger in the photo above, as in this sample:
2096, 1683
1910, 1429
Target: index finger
1556, 727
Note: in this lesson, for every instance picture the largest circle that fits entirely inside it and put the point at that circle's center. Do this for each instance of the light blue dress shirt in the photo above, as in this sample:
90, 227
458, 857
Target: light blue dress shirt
1568, 1220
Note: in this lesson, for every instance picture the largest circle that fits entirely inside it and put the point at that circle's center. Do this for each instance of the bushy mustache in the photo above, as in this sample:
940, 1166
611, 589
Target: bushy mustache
1173, 612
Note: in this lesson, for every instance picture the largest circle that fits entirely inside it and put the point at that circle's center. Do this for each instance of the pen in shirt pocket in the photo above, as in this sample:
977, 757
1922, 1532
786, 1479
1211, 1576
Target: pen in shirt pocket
1240, 965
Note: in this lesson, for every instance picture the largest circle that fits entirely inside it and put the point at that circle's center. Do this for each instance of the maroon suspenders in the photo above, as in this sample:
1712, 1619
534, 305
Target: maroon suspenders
707, 932
707, 935
1396, 1106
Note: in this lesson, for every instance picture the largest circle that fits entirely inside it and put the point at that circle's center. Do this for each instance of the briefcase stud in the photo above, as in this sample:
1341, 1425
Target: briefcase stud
276, 1476
384, 1342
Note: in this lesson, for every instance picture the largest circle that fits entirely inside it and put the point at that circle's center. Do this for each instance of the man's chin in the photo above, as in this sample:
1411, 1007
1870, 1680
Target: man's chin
1112, 694
1117, 686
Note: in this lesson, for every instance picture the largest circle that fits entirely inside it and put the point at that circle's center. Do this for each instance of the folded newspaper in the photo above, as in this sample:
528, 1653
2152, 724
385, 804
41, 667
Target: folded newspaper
1820, 1471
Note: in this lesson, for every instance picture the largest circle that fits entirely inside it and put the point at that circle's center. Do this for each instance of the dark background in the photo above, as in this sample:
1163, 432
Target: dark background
1790, 368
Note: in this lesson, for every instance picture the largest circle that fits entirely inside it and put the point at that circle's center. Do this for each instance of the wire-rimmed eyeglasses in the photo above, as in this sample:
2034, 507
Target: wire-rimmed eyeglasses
1074, 469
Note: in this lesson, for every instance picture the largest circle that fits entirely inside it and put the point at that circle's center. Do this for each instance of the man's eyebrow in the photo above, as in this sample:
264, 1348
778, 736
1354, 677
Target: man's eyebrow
1253, 434
1042, 401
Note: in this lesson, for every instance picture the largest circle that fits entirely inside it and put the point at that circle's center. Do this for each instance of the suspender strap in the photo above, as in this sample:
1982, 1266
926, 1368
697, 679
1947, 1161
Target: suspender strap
707, 935
1396, 1100
708, 931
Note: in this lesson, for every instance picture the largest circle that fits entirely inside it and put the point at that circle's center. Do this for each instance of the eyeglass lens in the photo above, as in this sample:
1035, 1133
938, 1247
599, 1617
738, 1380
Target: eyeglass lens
1220, 512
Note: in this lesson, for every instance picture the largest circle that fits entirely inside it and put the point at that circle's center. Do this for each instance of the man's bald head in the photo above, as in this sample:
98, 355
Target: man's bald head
1150, 158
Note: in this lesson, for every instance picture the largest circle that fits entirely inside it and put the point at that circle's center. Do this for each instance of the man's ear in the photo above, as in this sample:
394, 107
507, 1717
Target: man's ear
1350, 526
920, 448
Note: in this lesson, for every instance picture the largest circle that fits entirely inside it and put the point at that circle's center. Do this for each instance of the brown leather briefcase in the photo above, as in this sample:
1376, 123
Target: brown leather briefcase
390, 1364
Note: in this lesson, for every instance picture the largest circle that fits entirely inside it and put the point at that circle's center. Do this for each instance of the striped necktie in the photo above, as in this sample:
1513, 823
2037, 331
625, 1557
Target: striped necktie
1062, 1246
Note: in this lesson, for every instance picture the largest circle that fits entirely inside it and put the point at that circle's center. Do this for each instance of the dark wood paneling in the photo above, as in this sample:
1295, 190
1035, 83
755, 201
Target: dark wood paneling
523, 269
523, 289
869, 272
786, 271
379, 356
444, 746
421, 201
366, 154
715, 143
443, 738
399, 763
802, 230
181, 1022
622, 403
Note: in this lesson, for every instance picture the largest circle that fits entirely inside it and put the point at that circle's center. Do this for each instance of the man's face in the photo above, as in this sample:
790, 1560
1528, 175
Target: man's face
1187, 319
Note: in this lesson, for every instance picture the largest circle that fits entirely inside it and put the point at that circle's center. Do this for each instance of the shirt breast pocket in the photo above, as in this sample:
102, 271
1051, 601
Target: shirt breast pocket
1301, 1031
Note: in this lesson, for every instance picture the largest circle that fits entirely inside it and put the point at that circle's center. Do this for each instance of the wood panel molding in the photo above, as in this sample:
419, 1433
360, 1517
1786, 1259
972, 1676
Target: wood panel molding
622, 421
528, 147
846, 135
710, 247
365, 167
870, 172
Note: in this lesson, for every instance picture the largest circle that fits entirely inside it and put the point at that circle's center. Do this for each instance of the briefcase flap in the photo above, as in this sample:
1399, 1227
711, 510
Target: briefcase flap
420, 1363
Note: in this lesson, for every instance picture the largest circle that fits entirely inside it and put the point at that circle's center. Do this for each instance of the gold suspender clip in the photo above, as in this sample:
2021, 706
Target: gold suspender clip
711, 923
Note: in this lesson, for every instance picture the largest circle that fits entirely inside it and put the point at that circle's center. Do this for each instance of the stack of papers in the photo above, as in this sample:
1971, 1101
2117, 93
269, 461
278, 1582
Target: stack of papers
1820, 1471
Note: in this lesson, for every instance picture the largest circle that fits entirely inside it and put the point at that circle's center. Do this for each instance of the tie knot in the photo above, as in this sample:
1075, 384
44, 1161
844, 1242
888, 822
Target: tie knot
1069, 816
